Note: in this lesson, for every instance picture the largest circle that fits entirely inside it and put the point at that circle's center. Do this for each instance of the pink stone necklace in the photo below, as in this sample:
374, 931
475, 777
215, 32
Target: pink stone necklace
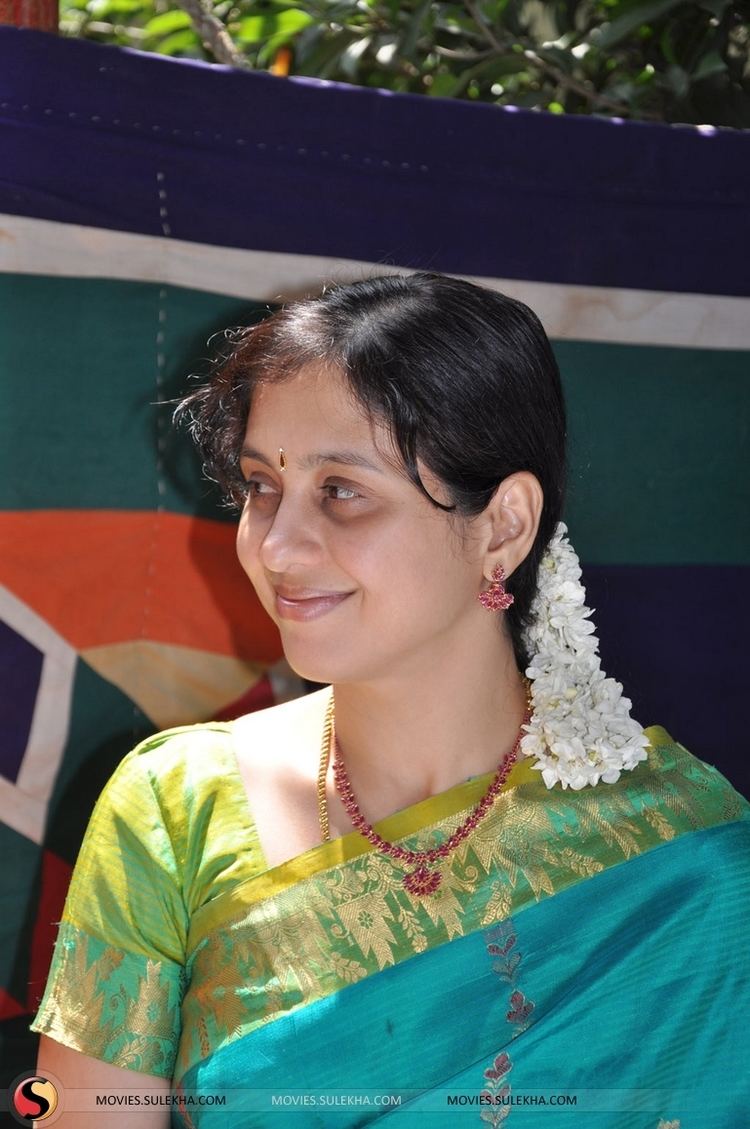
422, 879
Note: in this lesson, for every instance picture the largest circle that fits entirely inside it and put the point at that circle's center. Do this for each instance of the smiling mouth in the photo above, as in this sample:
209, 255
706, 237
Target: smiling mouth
296, 594
307, 605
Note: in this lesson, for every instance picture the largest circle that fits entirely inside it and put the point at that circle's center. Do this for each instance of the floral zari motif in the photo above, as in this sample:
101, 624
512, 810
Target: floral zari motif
344, 924
500, 942
128, 1006
288, 938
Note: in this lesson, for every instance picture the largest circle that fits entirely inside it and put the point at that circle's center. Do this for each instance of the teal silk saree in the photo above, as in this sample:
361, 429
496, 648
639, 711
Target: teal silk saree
584, 961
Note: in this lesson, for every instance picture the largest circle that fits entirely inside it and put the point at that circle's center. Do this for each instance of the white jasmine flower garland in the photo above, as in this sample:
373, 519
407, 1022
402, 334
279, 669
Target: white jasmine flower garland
581, 730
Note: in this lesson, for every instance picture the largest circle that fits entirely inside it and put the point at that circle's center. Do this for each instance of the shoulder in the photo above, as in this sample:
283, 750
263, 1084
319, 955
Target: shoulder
710, 821
185, 746
178, 798
285, 719
670, 760
692, 792
162, 792
672, 795
287, 733
167, 766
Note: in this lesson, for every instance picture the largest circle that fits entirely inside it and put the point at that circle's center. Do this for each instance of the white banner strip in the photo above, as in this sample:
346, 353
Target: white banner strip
580, 313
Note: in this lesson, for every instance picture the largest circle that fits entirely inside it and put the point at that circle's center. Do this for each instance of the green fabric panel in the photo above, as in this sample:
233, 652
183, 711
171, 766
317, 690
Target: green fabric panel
19, 893
82, 360
658, 452
656, 433
104, 726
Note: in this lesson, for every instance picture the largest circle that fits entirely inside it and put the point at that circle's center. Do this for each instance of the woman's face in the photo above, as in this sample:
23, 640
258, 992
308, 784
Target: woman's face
364, 577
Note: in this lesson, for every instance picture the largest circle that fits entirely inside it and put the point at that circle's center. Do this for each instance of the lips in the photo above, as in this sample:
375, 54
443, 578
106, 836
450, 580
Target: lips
287, 592
303, 604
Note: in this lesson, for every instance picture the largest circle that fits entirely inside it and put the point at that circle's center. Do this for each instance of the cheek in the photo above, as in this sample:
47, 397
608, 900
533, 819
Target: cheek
374, 552
427, 547
247, 545
415, 566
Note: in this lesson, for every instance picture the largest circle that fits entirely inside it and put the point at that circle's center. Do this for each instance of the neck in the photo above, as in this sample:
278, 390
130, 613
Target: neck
405, 738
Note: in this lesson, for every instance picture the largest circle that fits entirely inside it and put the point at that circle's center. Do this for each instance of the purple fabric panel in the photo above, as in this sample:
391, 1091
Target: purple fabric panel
20, 673
675, 637
251, 160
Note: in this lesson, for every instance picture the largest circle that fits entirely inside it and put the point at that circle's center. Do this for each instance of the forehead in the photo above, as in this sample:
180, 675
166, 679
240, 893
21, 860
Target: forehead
315, 418
314, 407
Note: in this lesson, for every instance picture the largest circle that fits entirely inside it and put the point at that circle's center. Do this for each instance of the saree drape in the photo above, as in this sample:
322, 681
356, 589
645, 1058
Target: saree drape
583, 962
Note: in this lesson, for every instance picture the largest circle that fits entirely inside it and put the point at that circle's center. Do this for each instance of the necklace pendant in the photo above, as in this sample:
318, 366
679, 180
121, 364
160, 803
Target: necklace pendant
422, 880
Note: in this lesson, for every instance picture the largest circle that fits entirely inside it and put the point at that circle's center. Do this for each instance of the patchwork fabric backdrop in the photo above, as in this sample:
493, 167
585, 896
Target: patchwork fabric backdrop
148, 203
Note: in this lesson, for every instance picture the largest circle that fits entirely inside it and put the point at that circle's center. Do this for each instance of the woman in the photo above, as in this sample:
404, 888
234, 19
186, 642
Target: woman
435, 889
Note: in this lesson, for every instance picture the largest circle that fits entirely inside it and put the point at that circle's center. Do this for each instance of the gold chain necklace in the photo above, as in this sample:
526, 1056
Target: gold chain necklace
422, 879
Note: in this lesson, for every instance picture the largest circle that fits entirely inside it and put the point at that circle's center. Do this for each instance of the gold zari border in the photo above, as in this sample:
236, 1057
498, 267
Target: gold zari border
306, 938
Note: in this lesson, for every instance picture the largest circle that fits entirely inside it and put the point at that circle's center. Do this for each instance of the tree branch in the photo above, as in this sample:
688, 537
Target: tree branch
569, 83
566, 81
462, 56
213, 33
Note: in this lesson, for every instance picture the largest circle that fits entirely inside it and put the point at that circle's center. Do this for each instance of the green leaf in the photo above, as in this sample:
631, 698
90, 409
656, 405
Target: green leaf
413, 29
624, 25
502, 65
493, 10
620, 91
168, 22
257, 29
267, 50
320, 56
102, 9
679, 80
456, 21
385, 49
442, 86
352, 55
487, 71
277, 5
711, 64
666, 46
717, 8
178, 43
559, 58
530, 99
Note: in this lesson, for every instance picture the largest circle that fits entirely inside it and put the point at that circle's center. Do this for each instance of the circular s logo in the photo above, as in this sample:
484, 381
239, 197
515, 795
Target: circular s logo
33, 1098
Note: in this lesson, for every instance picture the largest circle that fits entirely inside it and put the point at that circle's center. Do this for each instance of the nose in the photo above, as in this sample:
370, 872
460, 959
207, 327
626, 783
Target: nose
291, 539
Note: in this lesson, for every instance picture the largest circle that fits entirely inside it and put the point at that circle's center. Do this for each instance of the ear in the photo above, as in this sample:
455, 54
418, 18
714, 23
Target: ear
511, 522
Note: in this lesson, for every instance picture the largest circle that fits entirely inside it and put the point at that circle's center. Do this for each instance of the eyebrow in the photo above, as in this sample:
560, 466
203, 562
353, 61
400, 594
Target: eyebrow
344, 458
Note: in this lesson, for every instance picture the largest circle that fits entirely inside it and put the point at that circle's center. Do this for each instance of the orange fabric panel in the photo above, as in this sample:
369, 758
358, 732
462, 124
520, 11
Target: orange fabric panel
107, 576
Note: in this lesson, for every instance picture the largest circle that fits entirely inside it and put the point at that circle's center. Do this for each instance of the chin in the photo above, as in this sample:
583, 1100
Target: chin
311, 664
335, 672
324, 666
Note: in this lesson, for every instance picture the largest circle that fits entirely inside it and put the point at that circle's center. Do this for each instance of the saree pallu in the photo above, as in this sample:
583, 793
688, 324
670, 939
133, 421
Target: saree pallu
583, 962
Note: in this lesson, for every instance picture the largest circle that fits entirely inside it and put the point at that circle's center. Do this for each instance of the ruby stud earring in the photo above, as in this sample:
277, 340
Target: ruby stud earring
495, 598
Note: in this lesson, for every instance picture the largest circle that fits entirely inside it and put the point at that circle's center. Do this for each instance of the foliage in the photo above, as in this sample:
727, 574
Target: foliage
650, 59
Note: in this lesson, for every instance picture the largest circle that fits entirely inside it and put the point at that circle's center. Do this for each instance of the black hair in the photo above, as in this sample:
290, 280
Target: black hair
463, 377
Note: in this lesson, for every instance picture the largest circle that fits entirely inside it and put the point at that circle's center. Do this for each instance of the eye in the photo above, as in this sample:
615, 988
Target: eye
260, 492
340, 493
257, 488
